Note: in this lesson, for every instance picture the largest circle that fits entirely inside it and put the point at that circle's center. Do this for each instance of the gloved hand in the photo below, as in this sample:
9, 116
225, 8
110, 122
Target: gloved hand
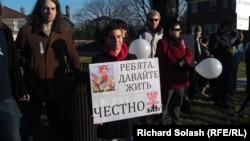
180, 62
236, 42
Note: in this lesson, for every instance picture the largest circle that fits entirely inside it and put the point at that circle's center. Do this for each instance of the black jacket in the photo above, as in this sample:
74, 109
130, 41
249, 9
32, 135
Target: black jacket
218, 45
17, 82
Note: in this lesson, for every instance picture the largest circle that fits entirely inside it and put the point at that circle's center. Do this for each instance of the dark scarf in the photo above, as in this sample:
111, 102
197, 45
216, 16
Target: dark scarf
175, 41
121, 56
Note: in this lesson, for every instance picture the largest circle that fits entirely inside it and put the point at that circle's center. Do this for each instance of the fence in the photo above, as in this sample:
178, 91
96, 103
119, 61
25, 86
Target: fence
81, 126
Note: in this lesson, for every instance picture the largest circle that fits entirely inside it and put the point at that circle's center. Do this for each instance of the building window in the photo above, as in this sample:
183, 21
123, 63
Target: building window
194, 7
211, 28
16, 25
212, 5
225, 3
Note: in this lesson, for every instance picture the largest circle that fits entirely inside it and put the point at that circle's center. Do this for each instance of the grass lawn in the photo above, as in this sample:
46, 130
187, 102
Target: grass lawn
242, 70
85, 59
203, 112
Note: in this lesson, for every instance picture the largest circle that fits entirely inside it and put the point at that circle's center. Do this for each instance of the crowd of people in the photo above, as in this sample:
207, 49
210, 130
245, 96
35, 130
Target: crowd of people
42, 44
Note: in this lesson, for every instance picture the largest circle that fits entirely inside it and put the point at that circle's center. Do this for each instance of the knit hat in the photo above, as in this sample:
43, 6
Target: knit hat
198, 28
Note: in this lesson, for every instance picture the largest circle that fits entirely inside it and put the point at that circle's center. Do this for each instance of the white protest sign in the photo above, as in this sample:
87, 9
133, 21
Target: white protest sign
242, 22
243, 7
243, 13
125, 89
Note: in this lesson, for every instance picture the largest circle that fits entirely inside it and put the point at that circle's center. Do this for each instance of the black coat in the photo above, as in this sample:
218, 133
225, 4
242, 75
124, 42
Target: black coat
219, 45
17, 82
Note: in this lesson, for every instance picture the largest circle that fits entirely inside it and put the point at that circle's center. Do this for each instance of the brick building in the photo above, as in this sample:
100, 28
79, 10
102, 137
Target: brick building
15, 20
209, 14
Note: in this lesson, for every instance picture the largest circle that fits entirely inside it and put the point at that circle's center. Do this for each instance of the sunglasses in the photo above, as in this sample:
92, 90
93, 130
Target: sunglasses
176, 29
154, 20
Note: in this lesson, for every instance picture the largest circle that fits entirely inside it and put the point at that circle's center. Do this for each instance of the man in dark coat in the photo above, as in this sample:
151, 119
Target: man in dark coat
12, 87
222, 50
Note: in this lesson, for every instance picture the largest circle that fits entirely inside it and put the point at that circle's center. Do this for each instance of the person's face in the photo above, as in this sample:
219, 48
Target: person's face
48, 11
176, 31
198, 34
115, 39
154, 21
227, 30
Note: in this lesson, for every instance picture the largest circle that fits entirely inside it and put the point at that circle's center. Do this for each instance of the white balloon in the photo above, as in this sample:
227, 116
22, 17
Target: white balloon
209, 68
141, 48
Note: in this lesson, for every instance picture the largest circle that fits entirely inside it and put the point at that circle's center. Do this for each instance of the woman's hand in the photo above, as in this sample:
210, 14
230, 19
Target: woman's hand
96, 123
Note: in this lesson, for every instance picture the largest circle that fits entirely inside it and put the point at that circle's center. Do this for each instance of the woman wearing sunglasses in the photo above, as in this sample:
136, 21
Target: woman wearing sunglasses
174, 62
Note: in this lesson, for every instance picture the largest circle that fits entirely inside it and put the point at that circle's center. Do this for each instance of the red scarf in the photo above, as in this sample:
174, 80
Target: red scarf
121, 56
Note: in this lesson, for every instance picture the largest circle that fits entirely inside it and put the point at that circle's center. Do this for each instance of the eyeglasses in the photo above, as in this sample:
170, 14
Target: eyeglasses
176, 29
154, 20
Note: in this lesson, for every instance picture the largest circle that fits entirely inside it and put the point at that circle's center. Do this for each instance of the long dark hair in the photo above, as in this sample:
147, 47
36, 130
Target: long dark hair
36, 17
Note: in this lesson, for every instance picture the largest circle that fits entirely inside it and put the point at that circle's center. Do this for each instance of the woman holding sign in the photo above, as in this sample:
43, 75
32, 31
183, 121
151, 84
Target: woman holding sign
114, 49
174, 60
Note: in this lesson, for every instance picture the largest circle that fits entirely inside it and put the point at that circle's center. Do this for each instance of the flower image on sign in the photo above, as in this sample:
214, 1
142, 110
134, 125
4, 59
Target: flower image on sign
125, 89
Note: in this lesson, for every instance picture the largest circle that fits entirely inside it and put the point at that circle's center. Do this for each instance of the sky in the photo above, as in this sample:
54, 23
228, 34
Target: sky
29, 4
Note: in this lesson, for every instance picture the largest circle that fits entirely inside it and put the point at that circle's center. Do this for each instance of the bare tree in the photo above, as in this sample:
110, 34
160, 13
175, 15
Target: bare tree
182, 8
167, 8
170, 8
109, 8
132, 11
140, 8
